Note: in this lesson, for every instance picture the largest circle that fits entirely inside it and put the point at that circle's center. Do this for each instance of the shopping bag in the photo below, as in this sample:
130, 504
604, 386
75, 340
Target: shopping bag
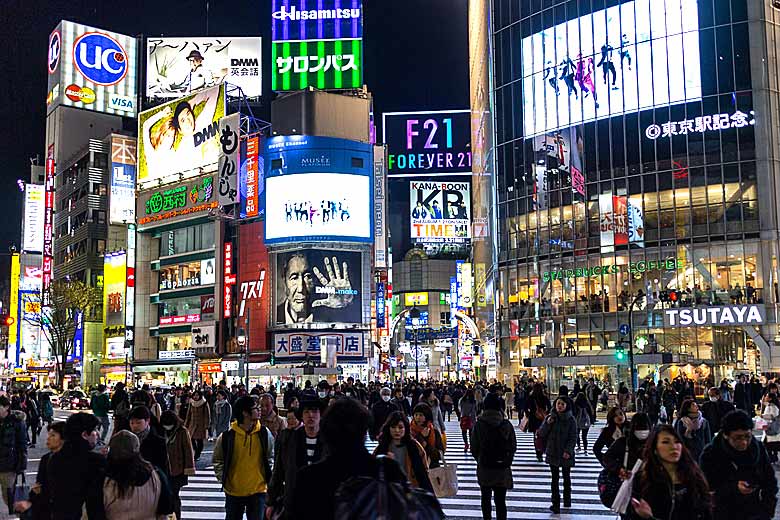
524, 424
444, 440
444, 480
623, 497
17, 492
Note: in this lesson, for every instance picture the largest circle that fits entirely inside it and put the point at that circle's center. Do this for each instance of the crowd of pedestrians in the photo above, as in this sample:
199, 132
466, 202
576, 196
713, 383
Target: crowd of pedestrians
307, 458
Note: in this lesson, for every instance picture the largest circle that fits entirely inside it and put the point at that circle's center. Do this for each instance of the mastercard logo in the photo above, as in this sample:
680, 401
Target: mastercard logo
84, 94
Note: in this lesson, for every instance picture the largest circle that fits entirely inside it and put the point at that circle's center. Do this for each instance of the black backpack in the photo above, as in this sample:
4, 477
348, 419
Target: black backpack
495, 452
375, 498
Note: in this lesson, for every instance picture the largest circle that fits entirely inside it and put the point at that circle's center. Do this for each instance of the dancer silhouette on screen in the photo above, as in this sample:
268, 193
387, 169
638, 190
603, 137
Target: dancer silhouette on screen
584, 77
567, 75
624, 52
607, 66
551, 75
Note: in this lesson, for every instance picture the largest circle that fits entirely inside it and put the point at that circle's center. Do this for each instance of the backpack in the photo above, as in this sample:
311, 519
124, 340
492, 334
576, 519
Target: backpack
374, 498
495, 453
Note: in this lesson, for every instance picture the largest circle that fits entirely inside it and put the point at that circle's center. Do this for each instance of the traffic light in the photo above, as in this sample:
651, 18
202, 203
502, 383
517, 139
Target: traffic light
7, 320
674, 296
620, 351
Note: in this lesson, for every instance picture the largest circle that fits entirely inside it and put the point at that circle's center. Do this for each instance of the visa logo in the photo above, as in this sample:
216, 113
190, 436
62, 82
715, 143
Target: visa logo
124, 103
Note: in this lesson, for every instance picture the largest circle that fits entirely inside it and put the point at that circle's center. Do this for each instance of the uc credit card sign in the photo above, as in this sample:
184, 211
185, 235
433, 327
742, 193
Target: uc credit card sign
92, 69
428, 143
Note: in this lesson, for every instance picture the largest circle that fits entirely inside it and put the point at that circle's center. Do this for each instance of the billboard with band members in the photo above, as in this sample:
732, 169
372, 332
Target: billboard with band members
318, 286
178, 66
180, 136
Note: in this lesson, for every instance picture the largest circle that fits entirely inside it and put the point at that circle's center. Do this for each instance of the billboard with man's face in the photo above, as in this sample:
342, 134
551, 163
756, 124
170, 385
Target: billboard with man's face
318, 286
180, 136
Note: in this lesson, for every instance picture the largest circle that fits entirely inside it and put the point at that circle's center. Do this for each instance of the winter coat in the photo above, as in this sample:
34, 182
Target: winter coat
290, 457
13, 444
605, 440
743, 398
488, 421
379, 413
667, 502
415, 466
583, 418
772, 417
100, 404
274, 423
468, 409
698, 439
155, 452
724, 467
198, 419
438, 417
532, 404
180, 454
223, 412
714, 411
615, 458
560, 436
403, 405
72, 479
139, 503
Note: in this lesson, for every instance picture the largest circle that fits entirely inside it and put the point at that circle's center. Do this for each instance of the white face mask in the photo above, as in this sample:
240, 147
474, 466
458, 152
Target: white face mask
642, 434
322, 394
385, 398
713, 399
168, 427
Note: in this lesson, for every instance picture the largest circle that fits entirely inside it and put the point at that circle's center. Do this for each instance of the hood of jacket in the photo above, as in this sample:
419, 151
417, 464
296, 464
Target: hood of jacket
491, 417
197, 403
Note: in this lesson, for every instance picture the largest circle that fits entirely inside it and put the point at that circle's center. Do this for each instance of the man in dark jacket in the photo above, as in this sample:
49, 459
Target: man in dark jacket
715, 409
295, 449
153, 447
738, 470
380, 411
343, 431
13, 446
100, 405
74, 475
401, 402
743, 398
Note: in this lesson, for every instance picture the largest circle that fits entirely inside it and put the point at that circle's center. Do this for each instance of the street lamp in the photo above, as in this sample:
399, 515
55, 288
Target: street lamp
631, 367
415, 315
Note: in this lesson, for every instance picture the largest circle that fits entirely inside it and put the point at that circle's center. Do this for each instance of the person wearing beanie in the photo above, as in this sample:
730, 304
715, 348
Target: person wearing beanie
426, 434
493, 446
133, 489
153, 447
242, 461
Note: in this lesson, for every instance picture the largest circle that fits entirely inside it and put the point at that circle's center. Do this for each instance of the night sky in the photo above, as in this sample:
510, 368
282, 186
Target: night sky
416, 58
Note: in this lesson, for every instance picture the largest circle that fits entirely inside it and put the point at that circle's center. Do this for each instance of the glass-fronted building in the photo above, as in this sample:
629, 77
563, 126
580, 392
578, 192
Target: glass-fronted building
635, 184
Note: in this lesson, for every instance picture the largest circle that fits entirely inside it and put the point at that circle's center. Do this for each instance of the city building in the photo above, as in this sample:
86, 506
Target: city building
635, 187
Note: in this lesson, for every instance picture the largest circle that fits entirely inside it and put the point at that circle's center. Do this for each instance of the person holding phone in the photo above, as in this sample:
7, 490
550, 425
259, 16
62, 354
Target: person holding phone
670, 485
740, 474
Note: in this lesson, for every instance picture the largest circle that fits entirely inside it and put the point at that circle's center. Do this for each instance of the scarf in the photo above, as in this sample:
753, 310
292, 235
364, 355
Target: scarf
417, 432
141, 436
691, 425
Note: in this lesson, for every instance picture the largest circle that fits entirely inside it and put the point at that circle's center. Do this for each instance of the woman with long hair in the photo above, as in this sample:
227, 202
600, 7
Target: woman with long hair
180, 455
468, 417
614, 430
670, 485
197, 422
693, 428
536, 408
624, 452
582, 413
133, 489
395, 441
559, 432
422, 431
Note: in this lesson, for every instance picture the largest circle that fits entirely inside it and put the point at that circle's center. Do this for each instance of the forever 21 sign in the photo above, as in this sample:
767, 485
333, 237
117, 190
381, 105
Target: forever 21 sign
726, 315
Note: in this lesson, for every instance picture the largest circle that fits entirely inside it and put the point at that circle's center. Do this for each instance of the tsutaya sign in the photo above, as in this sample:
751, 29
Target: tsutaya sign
727, 315
670, 264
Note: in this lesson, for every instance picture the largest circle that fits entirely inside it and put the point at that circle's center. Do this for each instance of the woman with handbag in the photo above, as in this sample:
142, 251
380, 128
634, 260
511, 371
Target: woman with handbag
670, 485
395, 441
583, 413
621, 457
468, 416
494, 449
423, 431
133, 489
559, 431
536, 408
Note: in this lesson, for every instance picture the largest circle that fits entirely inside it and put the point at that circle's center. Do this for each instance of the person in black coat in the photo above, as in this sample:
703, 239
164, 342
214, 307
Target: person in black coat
738, 470
402, 403
614, 430
493, 446
536, 408
380, 412
343, 430
73, 477
743, 395
618, 459
153, 447
715, 409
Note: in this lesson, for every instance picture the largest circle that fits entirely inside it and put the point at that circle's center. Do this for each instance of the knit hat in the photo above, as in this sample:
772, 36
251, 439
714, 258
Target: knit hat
493, 402
124, 445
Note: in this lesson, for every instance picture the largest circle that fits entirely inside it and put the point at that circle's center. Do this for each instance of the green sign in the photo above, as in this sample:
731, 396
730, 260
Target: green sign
176, 198
324, 64
670, 264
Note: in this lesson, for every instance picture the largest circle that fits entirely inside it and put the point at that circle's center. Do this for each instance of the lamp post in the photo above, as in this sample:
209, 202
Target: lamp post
415, 315
631, 367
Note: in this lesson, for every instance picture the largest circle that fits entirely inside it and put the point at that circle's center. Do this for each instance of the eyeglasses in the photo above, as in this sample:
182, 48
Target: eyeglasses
744, 437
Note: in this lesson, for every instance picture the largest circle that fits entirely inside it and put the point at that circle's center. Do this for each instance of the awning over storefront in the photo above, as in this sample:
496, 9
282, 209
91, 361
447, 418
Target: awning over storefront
173, 367
290, 371
599, 358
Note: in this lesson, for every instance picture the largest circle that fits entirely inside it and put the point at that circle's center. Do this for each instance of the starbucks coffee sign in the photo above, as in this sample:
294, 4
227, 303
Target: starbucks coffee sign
725, 316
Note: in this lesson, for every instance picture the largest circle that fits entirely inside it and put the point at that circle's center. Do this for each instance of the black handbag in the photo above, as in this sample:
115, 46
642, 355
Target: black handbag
609, 483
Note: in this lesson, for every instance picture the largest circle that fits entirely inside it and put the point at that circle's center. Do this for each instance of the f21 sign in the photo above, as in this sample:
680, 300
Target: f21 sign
428, 143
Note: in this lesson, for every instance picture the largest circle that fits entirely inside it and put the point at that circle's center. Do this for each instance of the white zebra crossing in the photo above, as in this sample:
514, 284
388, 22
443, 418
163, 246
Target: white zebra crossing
530, 498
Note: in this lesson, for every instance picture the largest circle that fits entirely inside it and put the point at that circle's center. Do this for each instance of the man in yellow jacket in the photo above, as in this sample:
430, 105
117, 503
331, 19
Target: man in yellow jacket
242, 460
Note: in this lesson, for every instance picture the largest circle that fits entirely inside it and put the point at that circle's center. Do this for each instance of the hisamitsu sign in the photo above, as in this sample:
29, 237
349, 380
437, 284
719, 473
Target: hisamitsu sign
726, 315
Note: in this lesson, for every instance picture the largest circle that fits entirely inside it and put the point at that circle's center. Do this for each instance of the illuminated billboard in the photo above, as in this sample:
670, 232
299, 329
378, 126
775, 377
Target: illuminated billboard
318, 189
621, 59
251, 182
181, 136
427, 143
176, 67
254, 286
114, 284
318, 286
92, 69
323, 64
323, 20
440, 211
176, 202
34, 212
123, 173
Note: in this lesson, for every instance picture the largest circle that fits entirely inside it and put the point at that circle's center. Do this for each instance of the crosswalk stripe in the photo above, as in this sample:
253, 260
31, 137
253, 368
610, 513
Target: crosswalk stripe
203, 498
